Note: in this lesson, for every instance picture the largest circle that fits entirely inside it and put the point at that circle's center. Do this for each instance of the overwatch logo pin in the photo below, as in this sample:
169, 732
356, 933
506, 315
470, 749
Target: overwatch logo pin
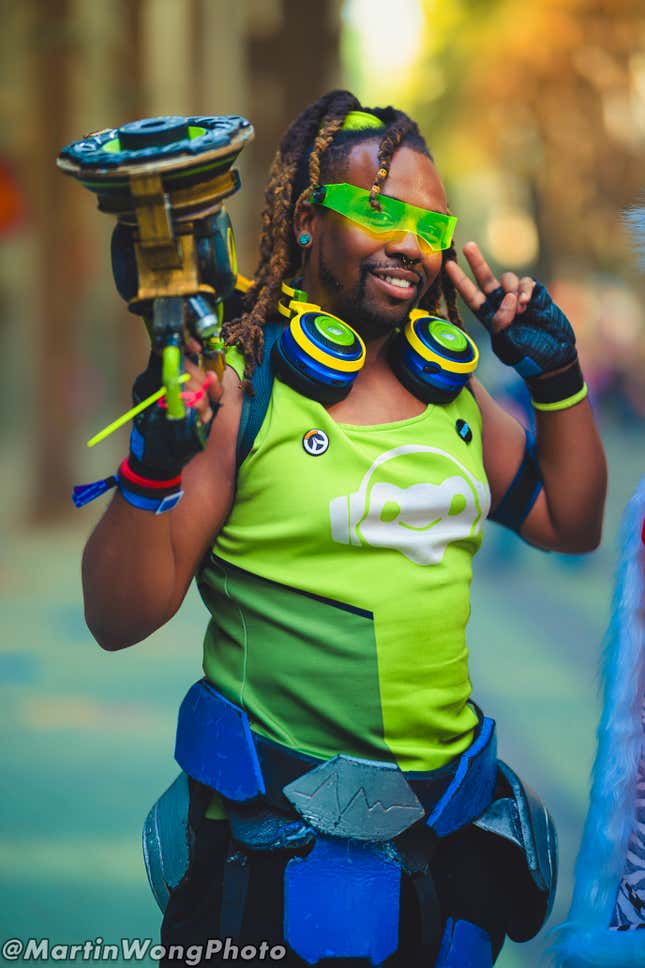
315, 442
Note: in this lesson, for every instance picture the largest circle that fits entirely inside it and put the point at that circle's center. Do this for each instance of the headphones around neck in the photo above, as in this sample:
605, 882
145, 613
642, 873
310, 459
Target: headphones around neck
320, 356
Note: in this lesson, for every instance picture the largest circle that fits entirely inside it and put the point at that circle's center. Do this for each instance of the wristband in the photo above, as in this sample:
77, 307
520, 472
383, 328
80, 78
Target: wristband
145, 493
560, 391
166, 503
562, 404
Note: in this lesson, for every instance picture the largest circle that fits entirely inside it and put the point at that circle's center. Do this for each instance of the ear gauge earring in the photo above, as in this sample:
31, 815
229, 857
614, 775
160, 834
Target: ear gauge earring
304, 239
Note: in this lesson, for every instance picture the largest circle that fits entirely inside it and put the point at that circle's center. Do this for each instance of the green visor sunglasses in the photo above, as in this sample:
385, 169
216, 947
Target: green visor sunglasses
433, 228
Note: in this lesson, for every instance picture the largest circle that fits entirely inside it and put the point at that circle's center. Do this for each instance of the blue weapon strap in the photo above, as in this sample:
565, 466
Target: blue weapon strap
255, 407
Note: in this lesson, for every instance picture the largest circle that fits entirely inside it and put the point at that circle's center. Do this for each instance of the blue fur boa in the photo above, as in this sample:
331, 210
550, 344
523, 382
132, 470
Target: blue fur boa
586, 938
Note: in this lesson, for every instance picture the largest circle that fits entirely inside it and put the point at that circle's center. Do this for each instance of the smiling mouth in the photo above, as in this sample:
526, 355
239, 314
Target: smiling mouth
400, 284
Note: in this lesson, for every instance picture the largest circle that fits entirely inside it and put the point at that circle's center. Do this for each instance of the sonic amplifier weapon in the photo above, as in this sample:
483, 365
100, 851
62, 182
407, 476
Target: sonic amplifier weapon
173, 250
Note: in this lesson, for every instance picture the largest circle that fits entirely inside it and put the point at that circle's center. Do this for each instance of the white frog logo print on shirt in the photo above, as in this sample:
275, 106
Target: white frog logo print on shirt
419, 521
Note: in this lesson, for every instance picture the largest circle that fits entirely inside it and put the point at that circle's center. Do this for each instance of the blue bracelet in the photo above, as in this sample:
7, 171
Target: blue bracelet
159, 506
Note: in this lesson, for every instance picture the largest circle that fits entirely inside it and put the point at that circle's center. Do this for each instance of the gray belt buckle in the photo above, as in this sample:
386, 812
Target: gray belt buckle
354, 798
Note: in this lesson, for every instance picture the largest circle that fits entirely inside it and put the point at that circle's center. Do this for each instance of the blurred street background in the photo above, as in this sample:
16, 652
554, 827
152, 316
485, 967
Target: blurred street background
535, 112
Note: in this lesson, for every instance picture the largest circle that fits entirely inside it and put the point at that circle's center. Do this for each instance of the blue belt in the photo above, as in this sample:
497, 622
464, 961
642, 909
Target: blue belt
344, 796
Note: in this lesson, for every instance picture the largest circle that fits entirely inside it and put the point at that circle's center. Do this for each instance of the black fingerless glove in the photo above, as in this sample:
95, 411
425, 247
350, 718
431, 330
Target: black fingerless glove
159, 448
538, 342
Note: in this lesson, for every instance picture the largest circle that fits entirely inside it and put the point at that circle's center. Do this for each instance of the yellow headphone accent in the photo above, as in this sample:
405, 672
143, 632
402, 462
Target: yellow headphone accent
305, 343
295, 309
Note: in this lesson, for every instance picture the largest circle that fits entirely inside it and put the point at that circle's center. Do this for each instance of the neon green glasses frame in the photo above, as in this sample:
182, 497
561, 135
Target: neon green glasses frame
433, 228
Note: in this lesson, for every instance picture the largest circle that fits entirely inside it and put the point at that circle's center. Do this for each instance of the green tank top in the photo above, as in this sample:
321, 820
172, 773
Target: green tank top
339, 585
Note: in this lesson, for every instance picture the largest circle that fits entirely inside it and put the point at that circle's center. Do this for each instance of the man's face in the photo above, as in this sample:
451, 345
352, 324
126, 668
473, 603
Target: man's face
373, 281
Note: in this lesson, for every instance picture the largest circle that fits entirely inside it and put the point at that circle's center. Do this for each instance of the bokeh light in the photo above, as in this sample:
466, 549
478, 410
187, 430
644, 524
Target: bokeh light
512, 239
388, 39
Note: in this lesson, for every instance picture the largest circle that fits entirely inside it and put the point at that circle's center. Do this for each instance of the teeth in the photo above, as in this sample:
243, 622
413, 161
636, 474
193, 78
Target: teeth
401, 283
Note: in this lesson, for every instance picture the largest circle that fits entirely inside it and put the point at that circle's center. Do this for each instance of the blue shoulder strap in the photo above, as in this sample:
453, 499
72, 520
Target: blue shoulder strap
255, 407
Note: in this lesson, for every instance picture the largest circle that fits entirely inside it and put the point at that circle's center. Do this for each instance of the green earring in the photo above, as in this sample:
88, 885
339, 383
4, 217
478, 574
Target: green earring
304, 239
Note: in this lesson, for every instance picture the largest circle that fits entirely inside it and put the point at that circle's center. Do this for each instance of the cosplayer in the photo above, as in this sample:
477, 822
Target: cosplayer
340, 793
608, 906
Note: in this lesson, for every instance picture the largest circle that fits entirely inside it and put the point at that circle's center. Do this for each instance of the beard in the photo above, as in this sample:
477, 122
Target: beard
355, 307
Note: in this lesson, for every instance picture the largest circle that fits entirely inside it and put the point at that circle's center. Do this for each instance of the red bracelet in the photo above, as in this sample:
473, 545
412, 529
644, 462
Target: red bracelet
126, 471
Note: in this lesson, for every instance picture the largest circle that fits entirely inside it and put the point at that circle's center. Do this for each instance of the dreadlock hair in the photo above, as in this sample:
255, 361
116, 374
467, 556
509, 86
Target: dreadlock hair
313, 147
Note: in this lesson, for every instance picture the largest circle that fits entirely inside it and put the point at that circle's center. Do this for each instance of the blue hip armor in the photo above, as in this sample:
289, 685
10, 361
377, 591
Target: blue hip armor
354, 827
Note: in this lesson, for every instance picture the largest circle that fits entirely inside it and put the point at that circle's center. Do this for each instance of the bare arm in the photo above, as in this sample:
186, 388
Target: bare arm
567, 515
137, 566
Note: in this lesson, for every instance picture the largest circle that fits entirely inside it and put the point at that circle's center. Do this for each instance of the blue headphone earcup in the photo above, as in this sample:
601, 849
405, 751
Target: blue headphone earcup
286, 370
432, 358
319, 356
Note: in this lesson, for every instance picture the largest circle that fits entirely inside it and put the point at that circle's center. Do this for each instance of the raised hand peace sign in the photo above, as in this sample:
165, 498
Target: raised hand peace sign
528, 331
511, 294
